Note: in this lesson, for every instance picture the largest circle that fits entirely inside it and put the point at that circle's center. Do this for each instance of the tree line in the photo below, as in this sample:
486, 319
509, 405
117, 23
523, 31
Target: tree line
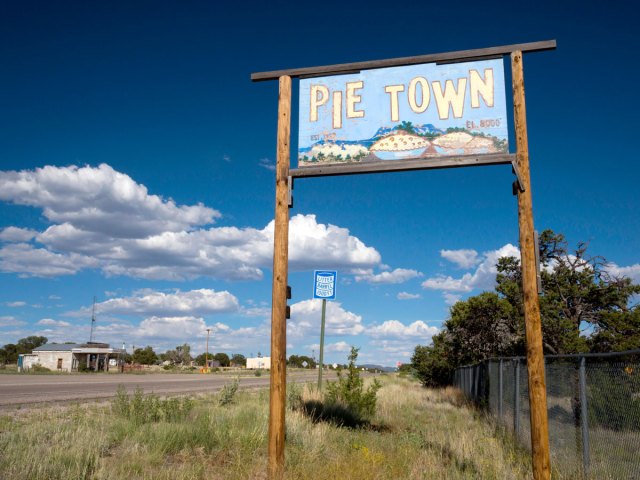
583, 308
9, 352
180, 355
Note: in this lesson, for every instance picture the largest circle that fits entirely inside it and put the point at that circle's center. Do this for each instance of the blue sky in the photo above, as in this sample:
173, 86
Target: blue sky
136, 165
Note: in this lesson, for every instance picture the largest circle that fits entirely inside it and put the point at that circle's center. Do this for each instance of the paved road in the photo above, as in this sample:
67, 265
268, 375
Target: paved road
32, 389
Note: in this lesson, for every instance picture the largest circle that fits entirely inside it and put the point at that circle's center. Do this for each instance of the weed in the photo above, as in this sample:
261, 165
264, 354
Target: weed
349, 391
428, 438
150, 409
294, 396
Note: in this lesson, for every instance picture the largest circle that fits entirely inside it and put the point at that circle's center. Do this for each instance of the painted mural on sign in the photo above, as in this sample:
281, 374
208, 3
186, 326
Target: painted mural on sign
397, 113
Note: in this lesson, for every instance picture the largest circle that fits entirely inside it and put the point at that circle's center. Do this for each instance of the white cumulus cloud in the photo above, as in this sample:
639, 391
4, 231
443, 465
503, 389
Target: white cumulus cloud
18, 303
417, 330
462, 258
15, 234
337, 347
101, 218
193, 303
408, 296
399, 275
451, 298
484, 276
25, 260
99, 199
632, 271
306, 316
53, 323
175, 328
10, 321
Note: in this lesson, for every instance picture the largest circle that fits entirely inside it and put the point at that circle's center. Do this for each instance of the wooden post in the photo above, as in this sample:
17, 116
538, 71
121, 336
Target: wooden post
535, 359
278, 385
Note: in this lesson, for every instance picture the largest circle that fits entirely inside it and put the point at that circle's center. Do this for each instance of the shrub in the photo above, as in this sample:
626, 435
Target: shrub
258, 373
349, 391
228, 393
140, 409
294, 395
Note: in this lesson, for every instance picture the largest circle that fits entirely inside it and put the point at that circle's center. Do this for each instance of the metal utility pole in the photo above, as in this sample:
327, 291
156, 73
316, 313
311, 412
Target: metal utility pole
93, 319
206, 355
320, 364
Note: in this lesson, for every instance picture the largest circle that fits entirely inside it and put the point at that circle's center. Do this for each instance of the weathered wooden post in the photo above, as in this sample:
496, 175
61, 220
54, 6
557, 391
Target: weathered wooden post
278, 382
535, 358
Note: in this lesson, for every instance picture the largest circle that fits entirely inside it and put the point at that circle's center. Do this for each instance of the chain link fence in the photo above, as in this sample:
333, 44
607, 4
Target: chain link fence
593, 403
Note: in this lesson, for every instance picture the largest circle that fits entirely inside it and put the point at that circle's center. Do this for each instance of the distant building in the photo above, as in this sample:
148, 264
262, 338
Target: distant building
72, 357
259, 362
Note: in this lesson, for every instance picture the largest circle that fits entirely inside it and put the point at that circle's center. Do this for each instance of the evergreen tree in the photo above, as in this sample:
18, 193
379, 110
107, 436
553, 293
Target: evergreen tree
145, 356
578, 294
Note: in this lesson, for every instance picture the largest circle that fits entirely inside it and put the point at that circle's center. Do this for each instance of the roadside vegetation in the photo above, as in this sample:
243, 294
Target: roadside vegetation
415, 433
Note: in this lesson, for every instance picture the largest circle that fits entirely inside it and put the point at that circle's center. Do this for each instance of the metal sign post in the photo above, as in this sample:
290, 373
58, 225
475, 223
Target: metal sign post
325, 288
321, 361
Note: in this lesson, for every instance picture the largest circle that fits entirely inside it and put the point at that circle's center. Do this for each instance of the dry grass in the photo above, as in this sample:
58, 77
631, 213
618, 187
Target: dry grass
416, 434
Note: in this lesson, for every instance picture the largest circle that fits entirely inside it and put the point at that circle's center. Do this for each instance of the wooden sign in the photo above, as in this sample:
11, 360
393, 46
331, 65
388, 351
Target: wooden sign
399, 113
425, 116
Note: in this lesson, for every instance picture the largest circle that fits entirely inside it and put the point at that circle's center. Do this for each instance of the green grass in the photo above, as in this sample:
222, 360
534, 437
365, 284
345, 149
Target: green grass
416, 434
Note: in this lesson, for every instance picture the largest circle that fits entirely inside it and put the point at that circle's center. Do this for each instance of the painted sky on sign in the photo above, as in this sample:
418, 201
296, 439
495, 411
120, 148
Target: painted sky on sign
375, 102
137, 165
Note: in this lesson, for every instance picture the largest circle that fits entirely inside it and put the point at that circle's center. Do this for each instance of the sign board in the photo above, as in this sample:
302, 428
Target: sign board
398, 113
324, 284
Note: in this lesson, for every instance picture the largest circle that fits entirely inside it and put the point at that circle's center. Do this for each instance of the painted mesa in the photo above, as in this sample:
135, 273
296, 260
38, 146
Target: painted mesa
398, 113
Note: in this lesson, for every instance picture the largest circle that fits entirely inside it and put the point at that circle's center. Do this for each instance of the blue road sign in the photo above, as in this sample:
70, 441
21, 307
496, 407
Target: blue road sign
324, 284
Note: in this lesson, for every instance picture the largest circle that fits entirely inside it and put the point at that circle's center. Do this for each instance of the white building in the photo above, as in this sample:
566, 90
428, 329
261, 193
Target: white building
71, 357
259, 362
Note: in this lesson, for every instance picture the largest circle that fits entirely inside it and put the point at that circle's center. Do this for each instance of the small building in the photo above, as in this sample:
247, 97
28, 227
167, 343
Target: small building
73, 357
259, 362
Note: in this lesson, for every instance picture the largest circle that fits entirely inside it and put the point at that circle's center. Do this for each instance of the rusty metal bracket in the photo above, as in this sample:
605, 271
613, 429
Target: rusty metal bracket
290, 188
518, 186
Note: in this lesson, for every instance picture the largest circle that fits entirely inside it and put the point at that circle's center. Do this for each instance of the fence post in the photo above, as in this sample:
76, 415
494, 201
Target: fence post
516, 400
500, 390
584, 421
476, 381
467, 387
466, 381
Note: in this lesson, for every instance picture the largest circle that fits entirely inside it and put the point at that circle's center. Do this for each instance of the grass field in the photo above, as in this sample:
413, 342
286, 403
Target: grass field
417, 433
